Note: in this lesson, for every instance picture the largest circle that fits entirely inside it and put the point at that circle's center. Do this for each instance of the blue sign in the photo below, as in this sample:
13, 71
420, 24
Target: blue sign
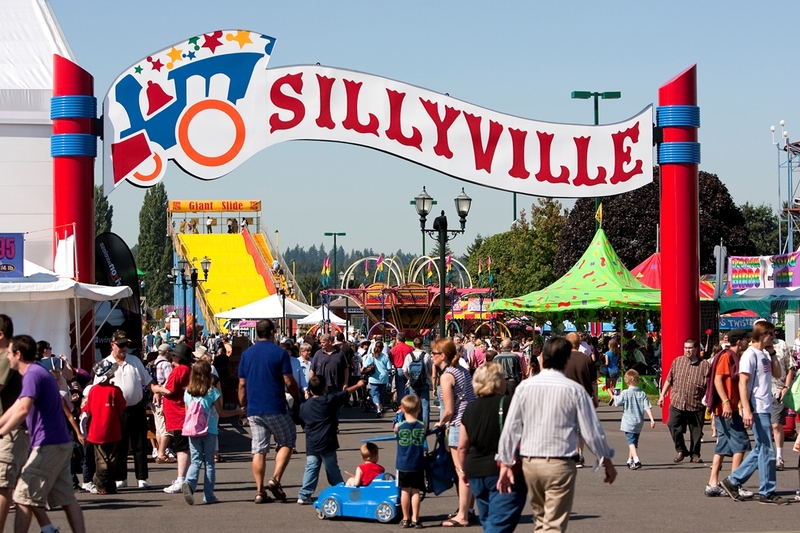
12, 255
740, 322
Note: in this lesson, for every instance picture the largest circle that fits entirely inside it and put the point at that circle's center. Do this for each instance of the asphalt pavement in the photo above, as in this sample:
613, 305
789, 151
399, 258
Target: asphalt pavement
660, 497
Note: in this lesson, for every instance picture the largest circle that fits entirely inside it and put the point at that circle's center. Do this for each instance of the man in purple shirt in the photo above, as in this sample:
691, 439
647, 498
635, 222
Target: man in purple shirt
45, 479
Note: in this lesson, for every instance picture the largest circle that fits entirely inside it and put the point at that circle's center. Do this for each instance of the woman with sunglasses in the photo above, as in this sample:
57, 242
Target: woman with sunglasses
379, 379
455, 392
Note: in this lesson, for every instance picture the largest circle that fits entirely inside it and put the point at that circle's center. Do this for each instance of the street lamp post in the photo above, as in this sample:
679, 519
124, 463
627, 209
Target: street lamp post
334, 235
427, 203
607, 95
424, 203
205, 264
180, 271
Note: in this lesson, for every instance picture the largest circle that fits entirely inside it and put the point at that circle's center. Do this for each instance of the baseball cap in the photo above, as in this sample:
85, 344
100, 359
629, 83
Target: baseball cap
119, 337
164, 348
738, 334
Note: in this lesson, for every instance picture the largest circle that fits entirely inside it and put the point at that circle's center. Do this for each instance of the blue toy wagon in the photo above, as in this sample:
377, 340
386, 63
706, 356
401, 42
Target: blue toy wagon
376, 501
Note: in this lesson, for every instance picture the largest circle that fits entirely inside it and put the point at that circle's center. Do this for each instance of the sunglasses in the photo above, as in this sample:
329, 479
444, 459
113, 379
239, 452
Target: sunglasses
437, 353
121, 344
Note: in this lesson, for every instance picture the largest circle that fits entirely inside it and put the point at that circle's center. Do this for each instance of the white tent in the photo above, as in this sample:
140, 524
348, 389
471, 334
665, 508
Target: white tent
44, 306
320, 315
269, 307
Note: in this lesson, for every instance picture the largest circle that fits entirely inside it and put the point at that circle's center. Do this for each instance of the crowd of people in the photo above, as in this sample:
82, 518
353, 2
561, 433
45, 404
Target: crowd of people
517, 415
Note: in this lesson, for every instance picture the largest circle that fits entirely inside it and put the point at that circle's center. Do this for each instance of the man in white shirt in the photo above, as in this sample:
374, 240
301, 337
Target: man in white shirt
548, 445
756, 368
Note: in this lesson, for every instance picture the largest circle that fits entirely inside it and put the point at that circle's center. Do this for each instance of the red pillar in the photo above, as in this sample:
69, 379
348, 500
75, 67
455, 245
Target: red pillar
679, 156
74, 148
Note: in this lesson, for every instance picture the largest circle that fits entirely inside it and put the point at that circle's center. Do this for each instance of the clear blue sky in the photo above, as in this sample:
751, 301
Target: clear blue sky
521, 58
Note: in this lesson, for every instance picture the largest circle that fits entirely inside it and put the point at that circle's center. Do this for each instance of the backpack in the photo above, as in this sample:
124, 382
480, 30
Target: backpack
196, 422
416, 371
711, 398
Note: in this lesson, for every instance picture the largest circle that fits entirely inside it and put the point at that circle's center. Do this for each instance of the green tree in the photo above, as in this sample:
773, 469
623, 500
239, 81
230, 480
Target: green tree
762, 226
522, 258
631, 220
103, 211
155, 247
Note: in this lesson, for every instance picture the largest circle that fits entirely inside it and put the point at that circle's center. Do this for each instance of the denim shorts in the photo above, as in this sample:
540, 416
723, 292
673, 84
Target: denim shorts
732, 437
632, 438
453, 433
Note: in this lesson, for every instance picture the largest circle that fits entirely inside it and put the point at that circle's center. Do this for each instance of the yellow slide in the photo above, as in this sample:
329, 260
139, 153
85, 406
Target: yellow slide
233, 280
261, 243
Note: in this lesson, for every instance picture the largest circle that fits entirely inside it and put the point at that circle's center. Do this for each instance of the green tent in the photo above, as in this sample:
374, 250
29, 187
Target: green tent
598, 280
764, 302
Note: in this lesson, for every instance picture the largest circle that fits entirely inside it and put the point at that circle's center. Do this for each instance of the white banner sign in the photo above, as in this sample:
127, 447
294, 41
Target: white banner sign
209, 103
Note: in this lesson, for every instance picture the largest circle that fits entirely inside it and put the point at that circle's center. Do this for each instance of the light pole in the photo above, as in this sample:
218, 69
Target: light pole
427, 203
334, 235
424, 204
282, 292
789, 200
607, 95
205, 264
180, 271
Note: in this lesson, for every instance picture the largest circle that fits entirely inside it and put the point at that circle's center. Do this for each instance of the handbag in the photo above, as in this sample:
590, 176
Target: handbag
440, 472
517, 468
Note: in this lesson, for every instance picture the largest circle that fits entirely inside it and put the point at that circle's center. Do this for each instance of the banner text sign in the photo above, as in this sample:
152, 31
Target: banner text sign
210, 103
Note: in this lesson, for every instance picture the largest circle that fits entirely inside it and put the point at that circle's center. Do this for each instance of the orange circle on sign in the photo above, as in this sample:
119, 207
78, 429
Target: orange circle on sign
153, 175
197, 157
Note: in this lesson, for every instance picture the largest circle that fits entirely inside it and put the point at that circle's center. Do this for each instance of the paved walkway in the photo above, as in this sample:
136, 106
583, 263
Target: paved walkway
660, 497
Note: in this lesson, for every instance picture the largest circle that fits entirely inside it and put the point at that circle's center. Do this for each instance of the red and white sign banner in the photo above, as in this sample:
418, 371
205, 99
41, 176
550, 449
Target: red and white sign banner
211, 113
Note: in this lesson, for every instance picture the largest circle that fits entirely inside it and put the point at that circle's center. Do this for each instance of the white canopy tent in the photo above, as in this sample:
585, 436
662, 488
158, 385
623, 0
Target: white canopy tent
269, 307
320, 315
44, 306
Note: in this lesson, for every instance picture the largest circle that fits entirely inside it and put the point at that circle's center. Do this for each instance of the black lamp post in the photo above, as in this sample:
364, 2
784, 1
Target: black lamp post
423, 202
205, 264
180, 272
282, 291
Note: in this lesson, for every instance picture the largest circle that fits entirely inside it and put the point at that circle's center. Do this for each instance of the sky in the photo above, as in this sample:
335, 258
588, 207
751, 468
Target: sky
522, 58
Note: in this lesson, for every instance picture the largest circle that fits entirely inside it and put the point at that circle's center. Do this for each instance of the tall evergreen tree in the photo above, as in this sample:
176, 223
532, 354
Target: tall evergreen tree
155, 247
103, 211
762, 225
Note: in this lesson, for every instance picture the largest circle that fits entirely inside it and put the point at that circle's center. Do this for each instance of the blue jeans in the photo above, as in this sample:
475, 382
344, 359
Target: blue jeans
311, 475
202, 451
424, 403
378, 391
400, 384
498, 512
762, 457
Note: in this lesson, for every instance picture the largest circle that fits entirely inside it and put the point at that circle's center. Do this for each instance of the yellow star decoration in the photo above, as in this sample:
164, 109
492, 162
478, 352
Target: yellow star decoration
174, 55
241, 37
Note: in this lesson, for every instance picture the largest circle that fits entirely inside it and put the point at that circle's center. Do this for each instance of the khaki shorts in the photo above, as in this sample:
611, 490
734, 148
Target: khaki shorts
13, 453
45, 479
161, 424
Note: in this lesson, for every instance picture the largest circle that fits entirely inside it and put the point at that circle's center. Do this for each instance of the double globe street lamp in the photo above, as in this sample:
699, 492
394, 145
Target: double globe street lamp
193, 281
423, 202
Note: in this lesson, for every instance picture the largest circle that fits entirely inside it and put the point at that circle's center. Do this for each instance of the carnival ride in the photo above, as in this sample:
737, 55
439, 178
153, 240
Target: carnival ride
396, 299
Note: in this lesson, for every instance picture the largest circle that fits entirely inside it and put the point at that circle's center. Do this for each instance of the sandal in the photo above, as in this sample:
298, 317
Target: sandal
164, 459
276, 490
261, 497
454, 523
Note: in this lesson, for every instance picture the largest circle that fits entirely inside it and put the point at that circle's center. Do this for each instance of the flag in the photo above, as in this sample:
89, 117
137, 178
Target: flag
448, 267
480, 272
599, 215
380, 267
366, 271
429, 274
326, 271
489, 269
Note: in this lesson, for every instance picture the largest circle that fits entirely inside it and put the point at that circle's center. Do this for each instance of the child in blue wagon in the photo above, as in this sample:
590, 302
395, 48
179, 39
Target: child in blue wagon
635, 404
410, 460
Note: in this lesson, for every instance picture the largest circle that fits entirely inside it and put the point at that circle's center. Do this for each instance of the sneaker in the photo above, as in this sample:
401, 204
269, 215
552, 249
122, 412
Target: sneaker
304, 501
174, 488
580, 462
155, 453
188, 495
797, 495
211, 501
122, 484
780, 465
88, 486
714, 490
143, 484
730, 489
772, 499
95, 490
170, 453
745, 494
630, 465
636, 466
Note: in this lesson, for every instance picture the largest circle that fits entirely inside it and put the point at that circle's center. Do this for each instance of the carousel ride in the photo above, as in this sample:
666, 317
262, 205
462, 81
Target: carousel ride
394, 298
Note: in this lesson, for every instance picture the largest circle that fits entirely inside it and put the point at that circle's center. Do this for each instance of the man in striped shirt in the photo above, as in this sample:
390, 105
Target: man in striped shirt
546, 431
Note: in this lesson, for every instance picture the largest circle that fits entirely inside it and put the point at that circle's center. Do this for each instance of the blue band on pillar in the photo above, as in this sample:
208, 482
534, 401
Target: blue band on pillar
73, 144
679, 152
75, 106
678, 116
